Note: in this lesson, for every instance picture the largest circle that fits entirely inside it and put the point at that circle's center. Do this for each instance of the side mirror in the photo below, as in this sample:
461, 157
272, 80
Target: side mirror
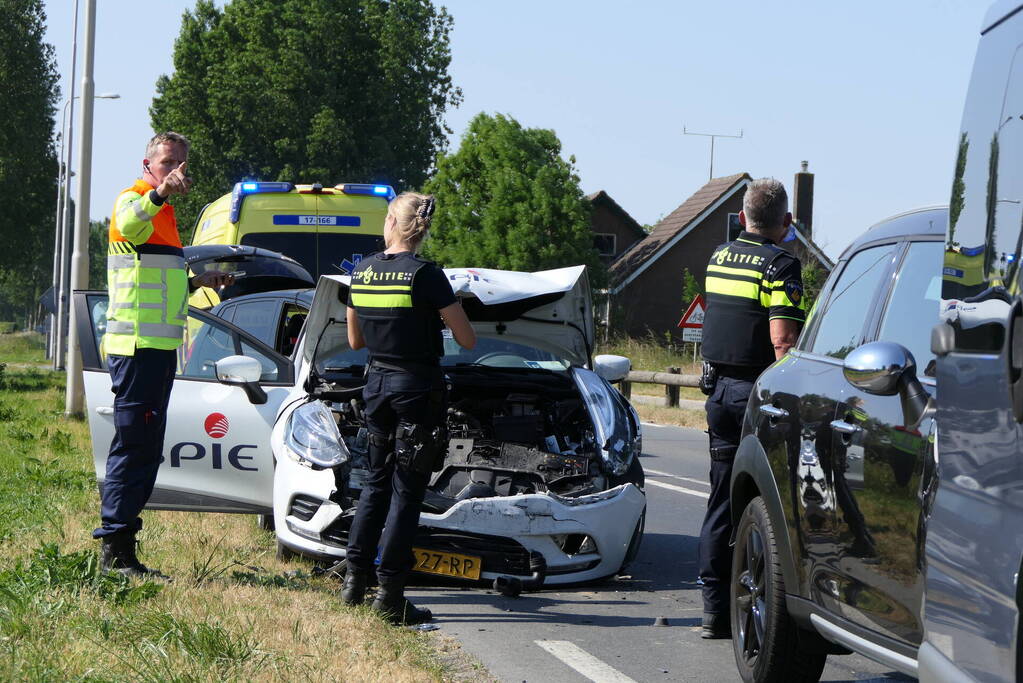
612, 368
886, 369
244, 372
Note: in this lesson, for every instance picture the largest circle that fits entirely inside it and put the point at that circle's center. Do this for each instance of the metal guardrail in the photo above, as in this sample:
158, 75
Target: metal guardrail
672, 379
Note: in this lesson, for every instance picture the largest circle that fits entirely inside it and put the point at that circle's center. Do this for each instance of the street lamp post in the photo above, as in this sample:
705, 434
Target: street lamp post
58, 326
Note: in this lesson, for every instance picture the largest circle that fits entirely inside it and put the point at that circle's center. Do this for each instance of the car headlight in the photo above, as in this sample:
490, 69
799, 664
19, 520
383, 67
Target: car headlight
617, 452
312, 437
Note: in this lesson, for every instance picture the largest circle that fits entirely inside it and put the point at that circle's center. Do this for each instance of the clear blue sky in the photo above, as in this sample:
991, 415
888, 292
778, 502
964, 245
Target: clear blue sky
870, 93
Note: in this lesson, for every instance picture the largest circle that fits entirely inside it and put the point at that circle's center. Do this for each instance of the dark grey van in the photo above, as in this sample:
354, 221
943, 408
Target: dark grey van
975, 530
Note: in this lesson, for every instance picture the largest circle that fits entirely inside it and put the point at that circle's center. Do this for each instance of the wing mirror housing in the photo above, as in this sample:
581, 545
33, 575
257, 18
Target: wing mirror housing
611, 368
244, 372
886, 369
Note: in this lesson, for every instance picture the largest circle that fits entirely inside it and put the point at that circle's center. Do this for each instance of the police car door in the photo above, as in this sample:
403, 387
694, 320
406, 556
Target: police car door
216, 455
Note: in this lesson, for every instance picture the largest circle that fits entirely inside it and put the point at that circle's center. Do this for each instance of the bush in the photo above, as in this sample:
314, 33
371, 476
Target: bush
8, 328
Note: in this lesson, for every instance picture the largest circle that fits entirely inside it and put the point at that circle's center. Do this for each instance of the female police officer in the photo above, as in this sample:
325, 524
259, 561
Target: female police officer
395, 309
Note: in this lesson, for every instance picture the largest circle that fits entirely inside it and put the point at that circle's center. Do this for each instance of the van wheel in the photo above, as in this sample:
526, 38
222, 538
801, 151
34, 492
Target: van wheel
766, 641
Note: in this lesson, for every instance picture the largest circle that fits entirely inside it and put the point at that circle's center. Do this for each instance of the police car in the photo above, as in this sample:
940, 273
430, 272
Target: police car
542, 482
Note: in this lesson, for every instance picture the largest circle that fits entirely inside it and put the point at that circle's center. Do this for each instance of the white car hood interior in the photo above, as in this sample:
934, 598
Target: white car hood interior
563, 326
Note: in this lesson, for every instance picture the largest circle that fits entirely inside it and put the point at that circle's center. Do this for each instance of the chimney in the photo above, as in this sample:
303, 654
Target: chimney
802, 200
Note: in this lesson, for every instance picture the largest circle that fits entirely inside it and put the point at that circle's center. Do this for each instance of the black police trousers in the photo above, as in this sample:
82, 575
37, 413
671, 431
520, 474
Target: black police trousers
387, 516
142, 386
725, 409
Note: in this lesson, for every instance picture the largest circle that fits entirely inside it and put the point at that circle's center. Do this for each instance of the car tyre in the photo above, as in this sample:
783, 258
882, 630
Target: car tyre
766, 641
265, 522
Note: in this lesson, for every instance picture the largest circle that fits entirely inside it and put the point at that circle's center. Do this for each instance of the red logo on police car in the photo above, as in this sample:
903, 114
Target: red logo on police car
216, 425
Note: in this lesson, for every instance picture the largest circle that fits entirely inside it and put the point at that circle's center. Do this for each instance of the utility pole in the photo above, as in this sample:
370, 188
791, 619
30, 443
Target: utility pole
75, 399
57, 330
711, 136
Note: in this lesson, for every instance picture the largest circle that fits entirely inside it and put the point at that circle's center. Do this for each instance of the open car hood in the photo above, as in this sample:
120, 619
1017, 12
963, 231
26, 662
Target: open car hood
549, 309
265, 270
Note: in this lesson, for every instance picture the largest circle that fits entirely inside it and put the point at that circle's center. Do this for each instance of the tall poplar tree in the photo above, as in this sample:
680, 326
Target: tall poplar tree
307, 91
28, 161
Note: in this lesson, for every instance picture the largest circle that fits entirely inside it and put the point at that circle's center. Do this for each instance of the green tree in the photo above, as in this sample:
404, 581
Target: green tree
28, 161
506, 199
690, 288
813, 280
307, 91
98, 234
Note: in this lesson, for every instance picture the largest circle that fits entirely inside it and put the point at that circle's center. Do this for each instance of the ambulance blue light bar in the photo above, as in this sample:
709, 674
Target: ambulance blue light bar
242, 190
384, 191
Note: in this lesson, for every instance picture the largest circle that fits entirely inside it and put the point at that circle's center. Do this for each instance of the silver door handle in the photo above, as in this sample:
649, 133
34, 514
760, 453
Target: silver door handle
104, 410
774, 412
844, 427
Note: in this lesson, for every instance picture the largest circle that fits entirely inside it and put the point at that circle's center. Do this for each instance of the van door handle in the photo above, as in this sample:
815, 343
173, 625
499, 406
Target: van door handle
773, 412
104, 410
844, 427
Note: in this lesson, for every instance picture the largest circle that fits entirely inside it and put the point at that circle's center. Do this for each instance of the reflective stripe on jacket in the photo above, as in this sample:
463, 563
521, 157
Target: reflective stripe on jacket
146, 276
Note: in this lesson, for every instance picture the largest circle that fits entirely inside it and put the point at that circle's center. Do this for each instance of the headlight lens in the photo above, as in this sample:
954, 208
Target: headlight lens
312, 436
596, 393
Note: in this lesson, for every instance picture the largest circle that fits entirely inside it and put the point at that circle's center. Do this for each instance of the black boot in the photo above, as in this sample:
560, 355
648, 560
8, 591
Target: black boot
353, 592
392, 604
117, 554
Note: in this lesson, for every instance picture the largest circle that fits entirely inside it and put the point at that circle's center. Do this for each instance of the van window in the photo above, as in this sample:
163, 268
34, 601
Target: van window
320, 254
986, 206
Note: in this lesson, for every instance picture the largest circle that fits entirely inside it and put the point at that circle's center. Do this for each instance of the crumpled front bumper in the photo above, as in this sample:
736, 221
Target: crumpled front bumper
533, 520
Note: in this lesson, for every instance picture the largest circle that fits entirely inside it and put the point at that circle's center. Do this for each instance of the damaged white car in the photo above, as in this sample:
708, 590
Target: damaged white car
542, 482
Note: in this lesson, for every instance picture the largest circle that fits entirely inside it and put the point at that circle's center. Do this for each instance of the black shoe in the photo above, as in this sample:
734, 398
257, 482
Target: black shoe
393, 606
716, 626
353, 592
117, 554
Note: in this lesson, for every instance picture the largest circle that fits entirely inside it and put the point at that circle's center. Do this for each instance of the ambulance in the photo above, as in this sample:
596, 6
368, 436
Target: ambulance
327, 230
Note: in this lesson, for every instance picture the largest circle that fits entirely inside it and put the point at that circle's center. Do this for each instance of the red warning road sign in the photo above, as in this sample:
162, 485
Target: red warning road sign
693, 317
692, 320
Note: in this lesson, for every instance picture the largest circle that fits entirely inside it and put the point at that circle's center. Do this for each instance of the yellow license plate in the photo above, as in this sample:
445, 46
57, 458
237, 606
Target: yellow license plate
447, 564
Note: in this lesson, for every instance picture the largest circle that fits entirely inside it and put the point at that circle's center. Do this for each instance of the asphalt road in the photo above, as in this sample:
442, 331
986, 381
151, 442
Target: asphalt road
606, 632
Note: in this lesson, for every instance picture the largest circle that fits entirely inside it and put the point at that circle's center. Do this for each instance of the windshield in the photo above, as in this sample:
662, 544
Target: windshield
495, 353
319, 253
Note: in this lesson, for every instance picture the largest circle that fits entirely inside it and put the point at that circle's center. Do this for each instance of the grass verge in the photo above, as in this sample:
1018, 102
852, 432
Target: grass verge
233, 613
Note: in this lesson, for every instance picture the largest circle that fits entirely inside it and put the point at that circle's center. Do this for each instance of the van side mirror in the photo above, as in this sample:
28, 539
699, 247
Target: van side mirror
244, 372
886, 369
611, 368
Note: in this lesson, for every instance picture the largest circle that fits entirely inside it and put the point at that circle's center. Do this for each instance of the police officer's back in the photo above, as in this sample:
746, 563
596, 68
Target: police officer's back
395, 309
755, 311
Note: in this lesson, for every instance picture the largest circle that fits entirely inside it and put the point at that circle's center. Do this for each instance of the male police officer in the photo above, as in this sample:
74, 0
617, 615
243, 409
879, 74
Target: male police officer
148, 291
755, 311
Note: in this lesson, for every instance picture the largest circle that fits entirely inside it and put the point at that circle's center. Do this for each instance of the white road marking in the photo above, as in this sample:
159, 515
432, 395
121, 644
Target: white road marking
675, 476
680, 489
583, 662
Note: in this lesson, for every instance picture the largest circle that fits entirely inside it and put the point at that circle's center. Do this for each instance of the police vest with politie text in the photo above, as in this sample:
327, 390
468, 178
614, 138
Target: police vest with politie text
396, 326
146, 276
750, 282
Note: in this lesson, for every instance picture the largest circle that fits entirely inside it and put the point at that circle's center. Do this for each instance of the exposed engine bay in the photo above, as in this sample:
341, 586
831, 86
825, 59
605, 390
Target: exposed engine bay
509, 432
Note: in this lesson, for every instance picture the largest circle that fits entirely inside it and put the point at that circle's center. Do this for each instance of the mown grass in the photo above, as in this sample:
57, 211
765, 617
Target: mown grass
233, 613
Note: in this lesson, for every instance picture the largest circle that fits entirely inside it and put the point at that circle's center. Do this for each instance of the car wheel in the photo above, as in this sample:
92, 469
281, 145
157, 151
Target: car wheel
766, 641
284, 553
265, 522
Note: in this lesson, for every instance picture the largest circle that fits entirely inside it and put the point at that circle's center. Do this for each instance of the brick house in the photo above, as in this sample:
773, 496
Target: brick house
647, 279
614, 230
